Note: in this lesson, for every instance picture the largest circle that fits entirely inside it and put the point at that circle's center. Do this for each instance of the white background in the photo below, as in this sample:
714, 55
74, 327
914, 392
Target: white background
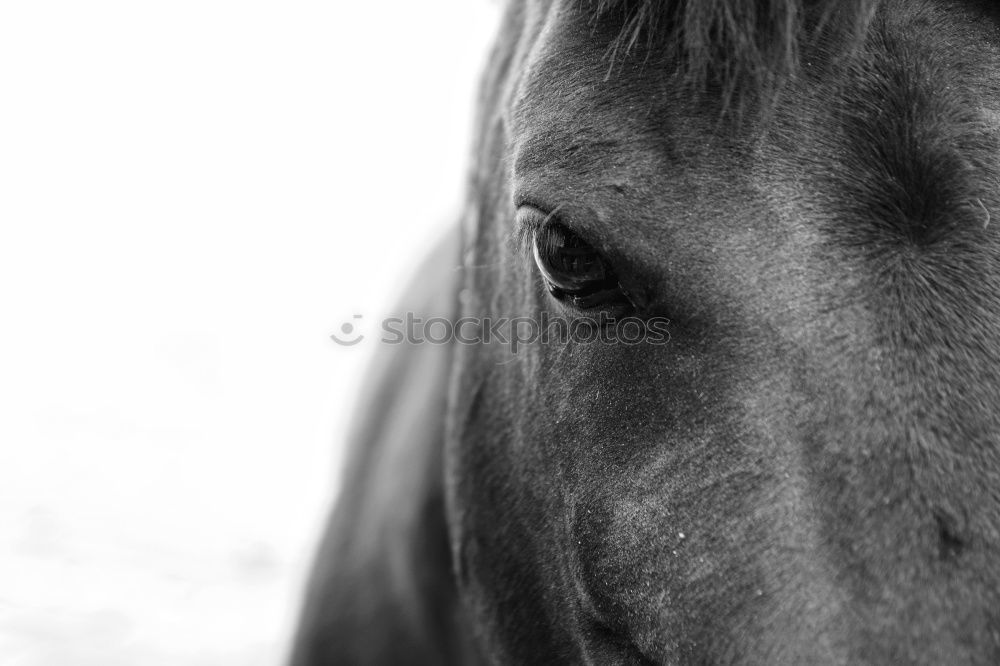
194, 194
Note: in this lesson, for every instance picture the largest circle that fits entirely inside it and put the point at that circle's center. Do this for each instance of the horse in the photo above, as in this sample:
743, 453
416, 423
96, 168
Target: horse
806, 469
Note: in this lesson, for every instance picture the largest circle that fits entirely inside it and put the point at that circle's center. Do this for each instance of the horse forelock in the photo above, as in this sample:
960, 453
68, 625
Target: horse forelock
745, 48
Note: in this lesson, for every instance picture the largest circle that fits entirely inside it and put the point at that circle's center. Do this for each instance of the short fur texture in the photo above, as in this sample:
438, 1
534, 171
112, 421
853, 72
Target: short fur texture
808, 472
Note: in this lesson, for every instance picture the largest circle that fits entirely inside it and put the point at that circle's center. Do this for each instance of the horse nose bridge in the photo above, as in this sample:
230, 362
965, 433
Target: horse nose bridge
892, 424
904, 477
918, 454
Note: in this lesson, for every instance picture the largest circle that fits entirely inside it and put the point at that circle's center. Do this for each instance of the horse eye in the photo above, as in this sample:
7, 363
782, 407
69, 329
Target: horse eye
574, 271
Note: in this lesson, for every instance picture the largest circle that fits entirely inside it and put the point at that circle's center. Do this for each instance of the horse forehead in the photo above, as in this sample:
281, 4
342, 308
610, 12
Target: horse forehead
914, 134
920, 95
907, 137
558, 89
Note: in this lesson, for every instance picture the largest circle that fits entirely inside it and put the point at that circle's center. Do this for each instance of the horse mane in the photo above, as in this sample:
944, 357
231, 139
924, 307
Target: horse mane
745, 47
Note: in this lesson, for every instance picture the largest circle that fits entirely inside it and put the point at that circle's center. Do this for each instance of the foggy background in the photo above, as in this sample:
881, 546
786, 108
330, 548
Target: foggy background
193, 196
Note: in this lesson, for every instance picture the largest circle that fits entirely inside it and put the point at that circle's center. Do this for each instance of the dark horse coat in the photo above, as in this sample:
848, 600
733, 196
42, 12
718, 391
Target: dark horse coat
806, 468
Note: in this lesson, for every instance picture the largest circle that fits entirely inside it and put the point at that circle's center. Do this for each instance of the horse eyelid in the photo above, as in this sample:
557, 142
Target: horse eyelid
528, 219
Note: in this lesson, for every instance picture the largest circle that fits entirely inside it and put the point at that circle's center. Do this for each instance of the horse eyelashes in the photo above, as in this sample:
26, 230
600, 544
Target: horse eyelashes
575, 272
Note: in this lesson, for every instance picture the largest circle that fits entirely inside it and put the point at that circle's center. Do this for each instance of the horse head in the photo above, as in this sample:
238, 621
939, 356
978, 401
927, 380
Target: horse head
801, 464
